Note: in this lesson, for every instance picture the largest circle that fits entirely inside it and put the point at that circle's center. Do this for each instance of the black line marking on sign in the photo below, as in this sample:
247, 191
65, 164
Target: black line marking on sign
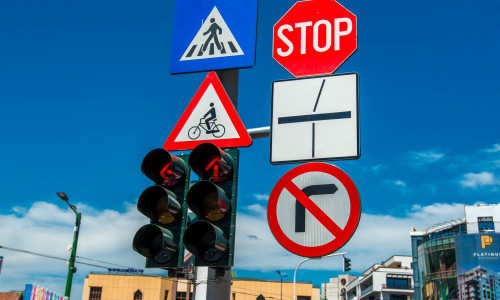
191, 51
316, 117
232, 47
313, 139
312, 190
319, 95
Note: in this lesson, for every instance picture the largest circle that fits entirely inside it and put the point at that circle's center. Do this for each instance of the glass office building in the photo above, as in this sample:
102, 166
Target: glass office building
433, 251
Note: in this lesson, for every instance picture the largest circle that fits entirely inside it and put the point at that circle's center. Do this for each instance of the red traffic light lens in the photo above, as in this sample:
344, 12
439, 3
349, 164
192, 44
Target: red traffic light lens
164, 168
211, 163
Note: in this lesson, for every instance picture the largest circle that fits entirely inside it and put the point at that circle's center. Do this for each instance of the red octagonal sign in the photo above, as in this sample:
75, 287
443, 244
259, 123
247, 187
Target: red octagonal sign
314, 37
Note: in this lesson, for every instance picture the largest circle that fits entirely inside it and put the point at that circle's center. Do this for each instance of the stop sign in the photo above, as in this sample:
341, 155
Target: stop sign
314, 37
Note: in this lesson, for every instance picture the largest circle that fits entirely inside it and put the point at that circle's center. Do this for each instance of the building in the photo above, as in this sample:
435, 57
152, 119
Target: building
479, 283
389, 280
11, 296
435, 249
143, 287
336, 288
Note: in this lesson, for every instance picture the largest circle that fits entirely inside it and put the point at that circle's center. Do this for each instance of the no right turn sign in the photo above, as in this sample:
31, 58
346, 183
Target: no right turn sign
314, 209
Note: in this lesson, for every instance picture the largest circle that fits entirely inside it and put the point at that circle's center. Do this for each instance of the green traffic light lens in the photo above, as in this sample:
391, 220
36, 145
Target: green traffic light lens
155, 243
157, 252
206, 241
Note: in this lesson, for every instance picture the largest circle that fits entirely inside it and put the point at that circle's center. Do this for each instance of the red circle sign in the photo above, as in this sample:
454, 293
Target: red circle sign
314, 37
300, 184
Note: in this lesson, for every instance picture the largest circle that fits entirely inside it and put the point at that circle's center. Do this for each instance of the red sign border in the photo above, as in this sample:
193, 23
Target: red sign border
243, 141
302, 73
352, 223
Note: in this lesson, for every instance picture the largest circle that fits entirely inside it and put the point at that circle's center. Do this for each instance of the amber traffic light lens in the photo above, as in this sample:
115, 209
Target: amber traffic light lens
163, 215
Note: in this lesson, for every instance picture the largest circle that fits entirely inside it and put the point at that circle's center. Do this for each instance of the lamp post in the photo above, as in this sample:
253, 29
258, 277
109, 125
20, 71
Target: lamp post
281, 280
303, 261
71, 265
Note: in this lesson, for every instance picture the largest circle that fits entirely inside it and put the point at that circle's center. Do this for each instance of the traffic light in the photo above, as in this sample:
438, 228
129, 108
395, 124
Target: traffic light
161, 240
347, 264
213, 199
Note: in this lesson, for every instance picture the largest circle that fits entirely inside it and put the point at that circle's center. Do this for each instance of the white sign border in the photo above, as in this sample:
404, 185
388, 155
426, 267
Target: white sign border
333, 158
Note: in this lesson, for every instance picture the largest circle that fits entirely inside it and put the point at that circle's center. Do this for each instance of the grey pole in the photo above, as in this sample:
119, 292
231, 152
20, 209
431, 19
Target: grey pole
303, 261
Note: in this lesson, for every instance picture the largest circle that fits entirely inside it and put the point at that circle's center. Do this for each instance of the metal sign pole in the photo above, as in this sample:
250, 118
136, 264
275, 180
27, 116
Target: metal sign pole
209, 284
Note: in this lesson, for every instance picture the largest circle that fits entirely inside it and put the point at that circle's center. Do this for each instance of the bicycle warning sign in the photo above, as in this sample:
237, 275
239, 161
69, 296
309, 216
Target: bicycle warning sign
213, 34
209, 117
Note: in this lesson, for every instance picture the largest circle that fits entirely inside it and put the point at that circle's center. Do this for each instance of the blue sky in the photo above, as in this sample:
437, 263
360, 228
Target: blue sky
85, 93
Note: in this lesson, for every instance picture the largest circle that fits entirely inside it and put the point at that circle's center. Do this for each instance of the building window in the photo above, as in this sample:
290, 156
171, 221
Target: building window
234, 296
397, 283
485, 224
260, 297
95, 293
138, 295
166, 295
398, 297
303, 298
180, 296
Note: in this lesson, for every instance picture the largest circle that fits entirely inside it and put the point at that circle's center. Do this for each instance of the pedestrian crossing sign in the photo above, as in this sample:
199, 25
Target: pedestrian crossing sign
213, 35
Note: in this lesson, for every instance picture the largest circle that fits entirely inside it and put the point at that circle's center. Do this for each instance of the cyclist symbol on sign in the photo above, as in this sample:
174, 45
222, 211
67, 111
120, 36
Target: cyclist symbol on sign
207, 123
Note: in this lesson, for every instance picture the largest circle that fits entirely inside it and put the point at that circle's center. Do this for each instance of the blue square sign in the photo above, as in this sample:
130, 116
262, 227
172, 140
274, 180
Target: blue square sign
213, 35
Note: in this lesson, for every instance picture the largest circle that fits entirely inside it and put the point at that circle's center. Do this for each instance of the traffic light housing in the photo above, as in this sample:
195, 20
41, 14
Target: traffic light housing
347, 264
210, 238
161, 240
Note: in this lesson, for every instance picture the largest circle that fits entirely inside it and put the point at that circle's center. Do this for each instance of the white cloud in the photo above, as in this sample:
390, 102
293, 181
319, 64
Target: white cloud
368, 245
426, 157
257, 209
107, 236
400, 183
261, 197
474, 180
48, 229
494, 148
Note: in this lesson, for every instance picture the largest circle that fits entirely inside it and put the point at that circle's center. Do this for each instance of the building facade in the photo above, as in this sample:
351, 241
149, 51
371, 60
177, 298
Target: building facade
390, 280
479, 283
336, 288
434, 254
142, 287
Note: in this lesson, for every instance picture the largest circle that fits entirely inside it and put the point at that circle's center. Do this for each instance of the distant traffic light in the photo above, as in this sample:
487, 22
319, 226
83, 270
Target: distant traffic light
161, 240
213, 199
347, 264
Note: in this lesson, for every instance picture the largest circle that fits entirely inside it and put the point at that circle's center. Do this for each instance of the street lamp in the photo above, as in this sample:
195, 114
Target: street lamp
303, 261
281, 279
71, 266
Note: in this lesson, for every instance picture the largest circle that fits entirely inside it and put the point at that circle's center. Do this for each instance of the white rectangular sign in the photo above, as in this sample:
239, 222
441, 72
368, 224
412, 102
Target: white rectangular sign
315, 119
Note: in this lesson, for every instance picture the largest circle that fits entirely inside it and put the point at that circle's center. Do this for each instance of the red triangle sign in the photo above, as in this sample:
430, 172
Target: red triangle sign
209, 117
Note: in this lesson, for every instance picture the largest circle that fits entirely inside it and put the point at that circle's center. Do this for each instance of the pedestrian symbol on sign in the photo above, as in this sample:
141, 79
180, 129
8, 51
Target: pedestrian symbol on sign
214, 39
214, 28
